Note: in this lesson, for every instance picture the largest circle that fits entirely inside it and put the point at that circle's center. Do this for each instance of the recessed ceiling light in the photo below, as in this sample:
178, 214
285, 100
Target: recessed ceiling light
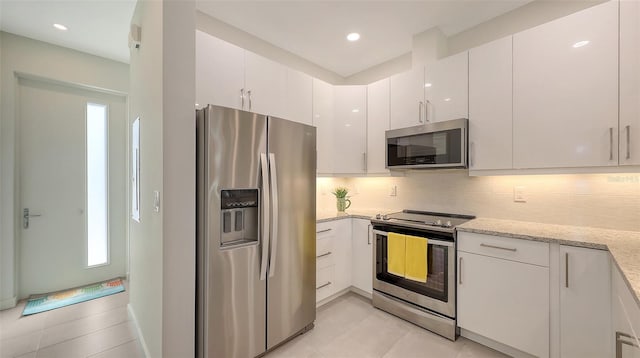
447, 99
580, 43
355, 110
347, 125
354, 36
197, 104
427, 84
60, 27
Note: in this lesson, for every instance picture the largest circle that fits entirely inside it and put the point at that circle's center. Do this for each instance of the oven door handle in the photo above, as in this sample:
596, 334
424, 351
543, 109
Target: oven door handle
430, 241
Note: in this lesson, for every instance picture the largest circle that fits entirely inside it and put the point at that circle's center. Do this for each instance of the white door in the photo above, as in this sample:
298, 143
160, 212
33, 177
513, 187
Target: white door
323, 118
362, 255
53, 252
446, 88
377, 124
350, 130
565, 91
299, 99
406, 98
629, 83
266, 83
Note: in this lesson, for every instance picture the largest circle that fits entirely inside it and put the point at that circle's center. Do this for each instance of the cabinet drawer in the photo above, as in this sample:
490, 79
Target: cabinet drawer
324, 252
325, 229
324, 282
531, 252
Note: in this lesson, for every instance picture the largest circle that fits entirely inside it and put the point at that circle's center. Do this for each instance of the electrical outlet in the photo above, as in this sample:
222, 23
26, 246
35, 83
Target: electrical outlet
393, 190
519, 195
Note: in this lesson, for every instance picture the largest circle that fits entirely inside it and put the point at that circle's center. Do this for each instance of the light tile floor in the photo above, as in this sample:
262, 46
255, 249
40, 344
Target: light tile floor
96, 328
351, 327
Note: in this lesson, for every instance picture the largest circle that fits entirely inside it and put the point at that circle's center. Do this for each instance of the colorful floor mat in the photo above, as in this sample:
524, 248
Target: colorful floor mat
72, 296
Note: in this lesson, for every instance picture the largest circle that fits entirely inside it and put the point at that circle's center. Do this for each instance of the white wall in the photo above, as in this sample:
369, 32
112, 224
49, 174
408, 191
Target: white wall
594, 200
37, 58
162, 272
249, 42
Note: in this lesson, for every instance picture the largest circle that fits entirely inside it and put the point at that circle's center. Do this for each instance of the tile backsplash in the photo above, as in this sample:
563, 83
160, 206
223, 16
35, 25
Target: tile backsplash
595, 200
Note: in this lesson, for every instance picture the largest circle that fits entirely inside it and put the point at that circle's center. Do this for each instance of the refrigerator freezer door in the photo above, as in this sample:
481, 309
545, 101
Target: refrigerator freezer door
232, 298
291, 290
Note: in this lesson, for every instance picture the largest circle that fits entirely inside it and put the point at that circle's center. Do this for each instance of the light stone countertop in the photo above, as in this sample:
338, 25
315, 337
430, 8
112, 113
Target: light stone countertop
624, 246
324, 216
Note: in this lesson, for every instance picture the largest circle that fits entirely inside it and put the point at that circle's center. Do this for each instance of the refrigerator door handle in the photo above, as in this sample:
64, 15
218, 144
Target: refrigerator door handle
274, 200
265, 216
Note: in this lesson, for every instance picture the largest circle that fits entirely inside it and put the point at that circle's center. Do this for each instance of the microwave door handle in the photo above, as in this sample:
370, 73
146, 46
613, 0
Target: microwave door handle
274, 200
265, 216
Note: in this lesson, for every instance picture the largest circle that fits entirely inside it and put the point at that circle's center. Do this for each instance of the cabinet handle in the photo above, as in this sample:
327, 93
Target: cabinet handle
321, 231
369, 234
249, 94
427, 104
611, 143
324, 285
620, 341
566, 269
420, 104
364, 162
499, 247
628, 130
472, 152
241, 98
460, 271
325, 254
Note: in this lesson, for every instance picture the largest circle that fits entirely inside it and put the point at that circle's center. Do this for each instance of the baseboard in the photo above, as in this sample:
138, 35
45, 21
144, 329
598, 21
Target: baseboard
133, 318
362, 293
8, 303
332, 297
510, 351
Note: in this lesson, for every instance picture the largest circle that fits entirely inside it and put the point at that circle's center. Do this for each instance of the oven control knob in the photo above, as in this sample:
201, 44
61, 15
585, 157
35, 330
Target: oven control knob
439, 222
385, 217
448, 224
378, 216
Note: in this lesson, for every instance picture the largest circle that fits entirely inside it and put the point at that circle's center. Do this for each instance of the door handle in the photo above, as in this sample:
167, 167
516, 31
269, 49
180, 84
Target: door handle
611, 143
323, 255
265, 215
420, 104
241, 98
460, 271
249, 94
26, 216
369, 234
620, 340
274, 203
628, 129
566, 270
499, 247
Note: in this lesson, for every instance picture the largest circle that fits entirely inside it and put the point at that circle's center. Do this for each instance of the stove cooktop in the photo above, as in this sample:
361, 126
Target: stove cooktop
423, 220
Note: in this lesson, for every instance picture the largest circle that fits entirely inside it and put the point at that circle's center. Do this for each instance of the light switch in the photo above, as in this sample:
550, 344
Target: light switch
519, 195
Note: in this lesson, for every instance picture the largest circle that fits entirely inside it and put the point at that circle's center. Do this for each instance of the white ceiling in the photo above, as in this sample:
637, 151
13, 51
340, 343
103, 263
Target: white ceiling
316, 30
99, 27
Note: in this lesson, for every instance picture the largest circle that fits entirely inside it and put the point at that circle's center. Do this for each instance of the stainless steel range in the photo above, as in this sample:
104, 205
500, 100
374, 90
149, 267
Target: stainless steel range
430, 301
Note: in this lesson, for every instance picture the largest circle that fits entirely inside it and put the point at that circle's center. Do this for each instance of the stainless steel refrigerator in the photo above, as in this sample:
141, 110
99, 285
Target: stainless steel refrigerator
256, 210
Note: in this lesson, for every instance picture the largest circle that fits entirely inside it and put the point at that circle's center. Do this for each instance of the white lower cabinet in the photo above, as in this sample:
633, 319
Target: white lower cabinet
626, 318
362, 255
501, 299
333, 258
585, 303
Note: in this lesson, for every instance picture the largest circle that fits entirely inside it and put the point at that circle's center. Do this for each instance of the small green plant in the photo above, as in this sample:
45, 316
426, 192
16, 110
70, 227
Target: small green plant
340, 192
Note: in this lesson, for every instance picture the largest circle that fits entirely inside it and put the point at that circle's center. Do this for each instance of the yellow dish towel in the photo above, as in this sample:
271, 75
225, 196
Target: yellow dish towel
416, 258
396, 254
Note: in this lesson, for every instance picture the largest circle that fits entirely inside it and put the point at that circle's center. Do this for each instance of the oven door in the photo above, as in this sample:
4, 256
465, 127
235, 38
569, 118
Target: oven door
437, 294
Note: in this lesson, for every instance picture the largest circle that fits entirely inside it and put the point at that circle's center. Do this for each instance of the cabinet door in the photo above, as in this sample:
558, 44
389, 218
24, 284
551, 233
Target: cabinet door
350, 130
377, 124
323, 115
626, 317
565, 94
267, 82
343, 254
490, 105
629, 82
406, 99
446, 88
219, 72
299, 100
505, 301
585, 303
362, 255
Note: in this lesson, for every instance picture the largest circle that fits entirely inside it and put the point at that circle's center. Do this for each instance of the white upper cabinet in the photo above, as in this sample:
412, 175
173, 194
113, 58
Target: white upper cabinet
219, 72
349, 138
406, 100
629, 82
299, 99
446, 88
265, 85
565, 91
323, 114
490, 106
585, 303
377, 124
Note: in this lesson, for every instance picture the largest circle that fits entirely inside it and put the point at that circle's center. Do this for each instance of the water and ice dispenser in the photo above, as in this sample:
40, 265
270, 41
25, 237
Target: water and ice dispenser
239, 217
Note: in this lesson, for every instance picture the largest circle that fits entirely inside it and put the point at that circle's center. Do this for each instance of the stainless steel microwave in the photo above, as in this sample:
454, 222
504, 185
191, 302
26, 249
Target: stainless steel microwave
428, 146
